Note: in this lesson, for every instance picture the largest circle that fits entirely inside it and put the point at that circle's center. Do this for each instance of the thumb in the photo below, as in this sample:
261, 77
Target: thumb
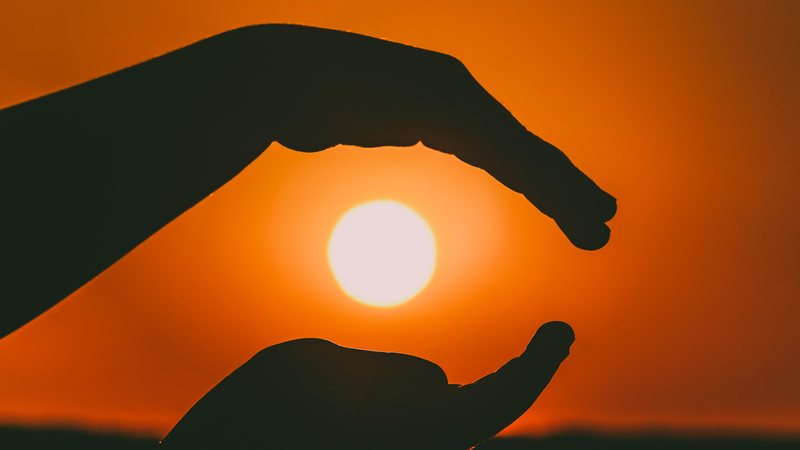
484, 408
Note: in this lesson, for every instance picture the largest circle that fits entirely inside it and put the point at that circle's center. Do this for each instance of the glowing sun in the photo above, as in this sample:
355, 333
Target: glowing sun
382, 253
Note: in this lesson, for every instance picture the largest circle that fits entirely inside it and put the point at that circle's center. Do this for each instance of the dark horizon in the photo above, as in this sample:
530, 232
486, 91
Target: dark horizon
33, 438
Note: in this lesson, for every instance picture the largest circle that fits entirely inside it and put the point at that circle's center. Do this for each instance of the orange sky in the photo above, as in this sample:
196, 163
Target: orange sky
686, 111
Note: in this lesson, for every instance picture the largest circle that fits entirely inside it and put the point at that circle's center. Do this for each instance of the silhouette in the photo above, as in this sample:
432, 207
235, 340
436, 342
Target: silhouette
311, 393
99, 167
95, 169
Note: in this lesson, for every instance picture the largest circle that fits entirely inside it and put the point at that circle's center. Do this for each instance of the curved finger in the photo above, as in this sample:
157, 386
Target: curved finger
482, 409
480, 131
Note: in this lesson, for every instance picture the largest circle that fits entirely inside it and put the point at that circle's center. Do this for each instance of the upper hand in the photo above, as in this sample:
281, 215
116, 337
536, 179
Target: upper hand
331, 87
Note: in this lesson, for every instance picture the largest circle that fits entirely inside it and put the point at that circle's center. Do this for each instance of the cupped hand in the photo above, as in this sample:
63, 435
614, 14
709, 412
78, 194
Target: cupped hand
312, 393
344, 88
124, 154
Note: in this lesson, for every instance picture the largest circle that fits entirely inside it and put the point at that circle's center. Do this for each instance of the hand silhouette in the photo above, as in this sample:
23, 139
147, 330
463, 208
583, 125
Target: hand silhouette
101, 166
350, 89
311, 393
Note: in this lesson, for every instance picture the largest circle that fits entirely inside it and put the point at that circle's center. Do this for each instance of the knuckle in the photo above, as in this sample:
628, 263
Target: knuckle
451, 63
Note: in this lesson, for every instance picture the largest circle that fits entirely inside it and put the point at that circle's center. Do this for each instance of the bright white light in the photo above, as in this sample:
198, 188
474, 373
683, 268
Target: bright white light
382, 253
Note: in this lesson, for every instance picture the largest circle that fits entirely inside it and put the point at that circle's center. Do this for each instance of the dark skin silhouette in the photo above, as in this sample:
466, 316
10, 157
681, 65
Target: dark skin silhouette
93, 170
312, 394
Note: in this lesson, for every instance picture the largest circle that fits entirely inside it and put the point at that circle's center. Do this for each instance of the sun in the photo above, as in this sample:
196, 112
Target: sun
382, 253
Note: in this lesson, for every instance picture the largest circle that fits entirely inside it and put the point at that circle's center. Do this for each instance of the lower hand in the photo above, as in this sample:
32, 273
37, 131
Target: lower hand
312, 393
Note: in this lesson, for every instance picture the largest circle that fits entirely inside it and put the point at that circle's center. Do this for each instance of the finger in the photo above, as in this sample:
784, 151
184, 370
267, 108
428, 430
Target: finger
482, 409
477, 129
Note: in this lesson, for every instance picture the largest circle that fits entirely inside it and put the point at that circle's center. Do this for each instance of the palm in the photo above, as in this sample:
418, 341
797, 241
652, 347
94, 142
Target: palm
311, 393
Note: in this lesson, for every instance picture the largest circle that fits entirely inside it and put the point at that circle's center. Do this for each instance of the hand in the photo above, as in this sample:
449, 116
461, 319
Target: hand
123, 155
313, 394
342, 88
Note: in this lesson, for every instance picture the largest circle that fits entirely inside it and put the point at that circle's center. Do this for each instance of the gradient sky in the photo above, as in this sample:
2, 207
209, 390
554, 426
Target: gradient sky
686, 111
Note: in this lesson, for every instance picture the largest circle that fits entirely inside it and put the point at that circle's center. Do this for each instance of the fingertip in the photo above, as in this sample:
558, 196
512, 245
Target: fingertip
552, 340
556, 331
586, 236
609, 207
306, 144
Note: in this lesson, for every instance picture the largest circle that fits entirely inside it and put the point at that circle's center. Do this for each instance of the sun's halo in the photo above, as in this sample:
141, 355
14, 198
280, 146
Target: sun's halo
382, 253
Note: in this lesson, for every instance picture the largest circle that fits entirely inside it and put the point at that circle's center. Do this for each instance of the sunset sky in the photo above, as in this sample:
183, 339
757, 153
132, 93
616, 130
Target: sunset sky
686, 111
